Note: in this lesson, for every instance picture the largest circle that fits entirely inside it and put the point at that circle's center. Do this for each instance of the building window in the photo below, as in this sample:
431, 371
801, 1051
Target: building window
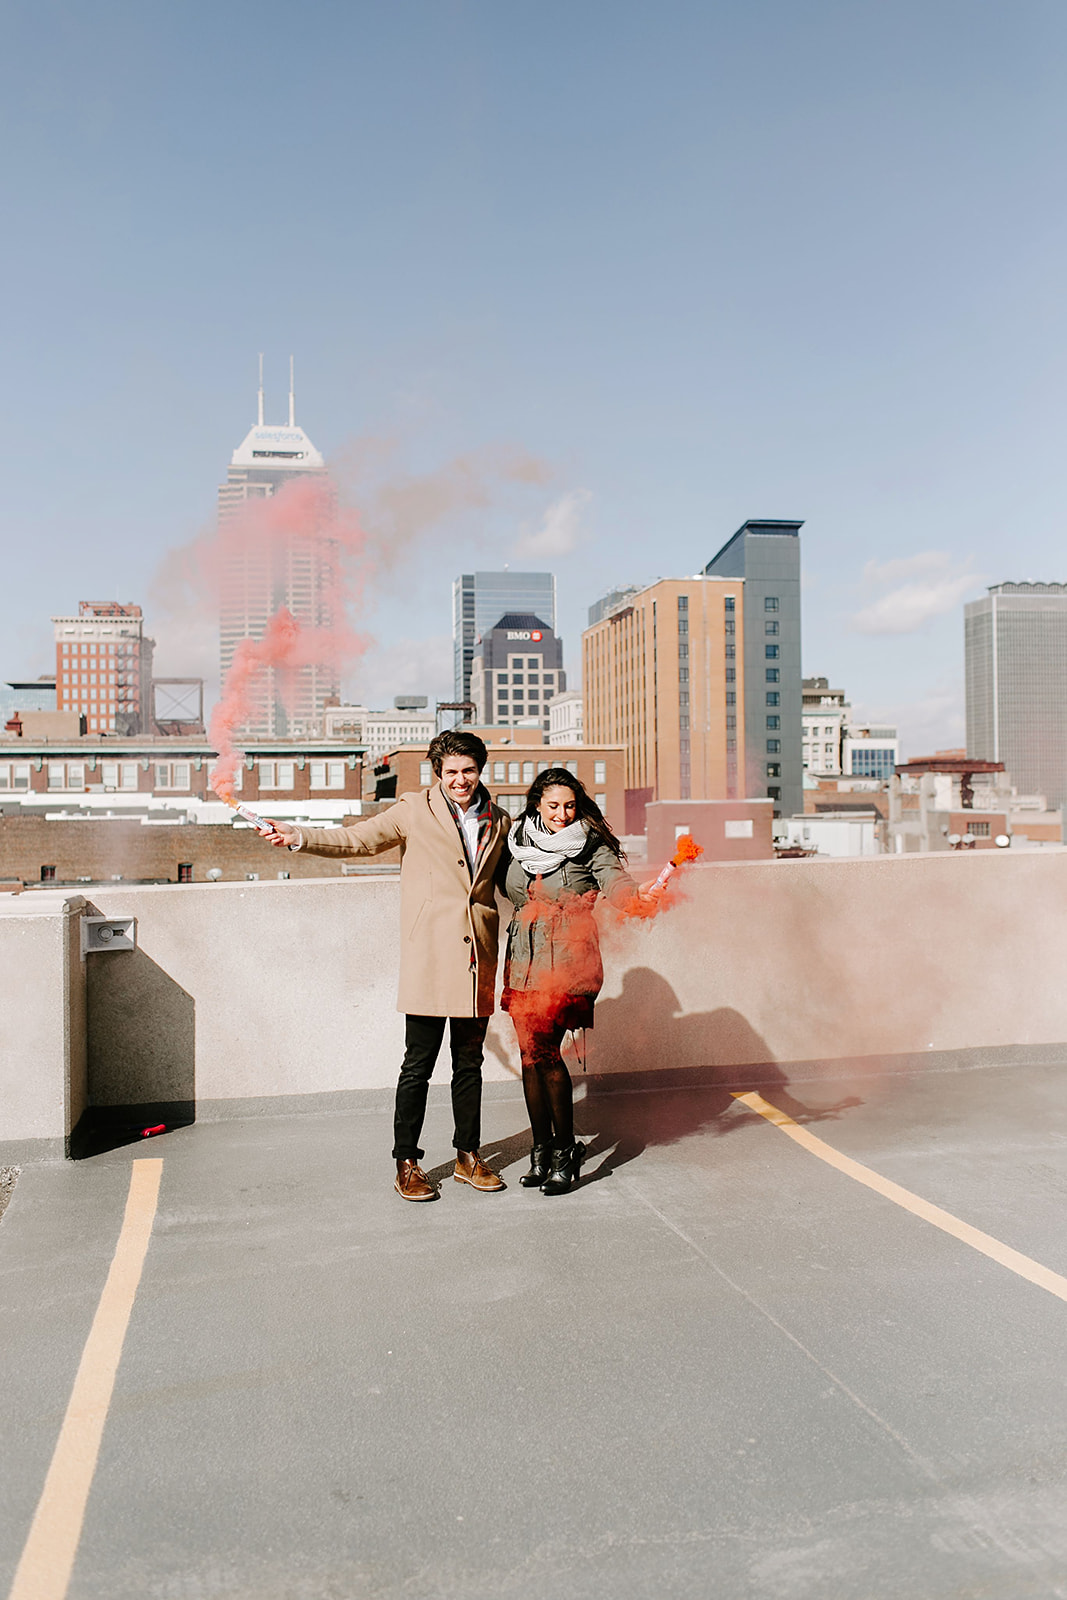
774, 769
770, 602
731, 698
527, 772
773, 697
770, 628
572, 768
277, 774
731, 674
773, 792
729, 604
14, 776
48, 874
731, 652
129, 774
600, 772
513, 772
729, 626
425, 774
542, 766
327, 774
57, 775
601, 800
771, 652
499, 771
772, 675
873, 763
185, 872
774, 747
979, 829
774, 722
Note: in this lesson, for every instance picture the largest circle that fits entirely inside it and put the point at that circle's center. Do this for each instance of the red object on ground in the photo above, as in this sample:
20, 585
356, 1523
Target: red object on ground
160, 1127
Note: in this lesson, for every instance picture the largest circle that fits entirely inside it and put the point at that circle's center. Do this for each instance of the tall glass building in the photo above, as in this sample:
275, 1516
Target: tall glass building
766, 554
1015, 648
480, 599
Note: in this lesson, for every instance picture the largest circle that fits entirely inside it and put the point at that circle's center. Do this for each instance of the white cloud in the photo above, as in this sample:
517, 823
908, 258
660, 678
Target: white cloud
407, 666
920, 587
560, 531
936, 722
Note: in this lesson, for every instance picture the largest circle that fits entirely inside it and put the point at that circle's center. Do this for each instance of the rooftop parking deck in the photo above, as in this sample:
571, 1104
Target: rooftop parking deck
797, 1336
721, 1367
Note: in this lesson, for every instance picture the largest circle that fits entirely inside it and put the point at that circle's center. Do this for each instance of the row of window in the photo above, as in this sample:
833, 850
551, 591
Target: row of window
90, 649
176, 775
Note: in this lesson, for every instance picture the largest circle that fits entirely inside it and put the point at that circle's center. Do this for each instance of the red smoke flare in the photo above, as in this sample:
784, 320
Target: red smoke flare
664, 892
304, 518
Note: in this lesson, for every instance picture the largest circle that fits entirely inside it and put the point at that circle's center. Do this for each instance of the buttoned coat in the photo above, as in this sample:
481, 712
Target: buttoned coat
449, 923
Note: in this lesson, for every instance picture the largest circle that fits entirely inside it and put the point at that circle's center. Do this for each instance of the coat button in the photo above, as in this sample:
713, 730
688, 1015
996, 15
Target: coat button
466, 938
459, 863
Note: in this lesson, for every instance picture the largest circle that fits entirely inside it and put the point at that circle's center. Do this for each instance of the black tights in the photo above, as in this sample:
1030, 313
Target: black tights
546, 1083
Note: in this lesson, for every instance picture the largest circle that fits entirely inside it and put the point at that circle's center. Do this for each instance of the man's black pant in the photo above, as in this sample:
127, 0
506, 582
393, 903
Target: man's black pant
423, 1041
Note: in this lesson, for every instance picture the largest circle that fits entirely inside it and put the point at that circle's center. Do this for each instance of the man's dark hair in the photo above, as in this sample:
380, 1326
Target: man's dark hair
454, 742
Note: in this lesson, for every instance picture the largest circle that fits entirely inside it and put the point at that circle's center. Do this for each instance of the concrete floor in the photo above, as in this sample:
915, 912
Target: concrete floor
719, 1369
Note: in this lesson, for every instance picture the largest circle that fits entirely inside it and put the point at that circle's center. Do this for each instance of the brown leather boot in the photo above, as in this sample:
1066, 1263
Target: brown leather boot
412, 1183
470, 1168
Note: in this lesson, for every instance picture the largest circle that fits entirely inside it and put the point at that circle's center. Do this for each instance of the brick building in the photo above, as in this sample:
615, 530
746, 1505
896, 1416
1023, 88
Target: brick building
116, 772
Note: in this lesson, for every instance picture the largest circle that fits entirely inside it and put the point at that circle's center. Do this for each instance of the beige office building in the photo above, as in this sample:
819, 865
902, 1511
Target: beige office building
661, 675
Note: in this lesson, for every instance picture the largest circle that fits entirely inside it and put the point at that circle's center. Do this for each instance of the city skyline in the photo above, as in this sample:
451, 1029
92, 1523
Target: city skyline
900, 393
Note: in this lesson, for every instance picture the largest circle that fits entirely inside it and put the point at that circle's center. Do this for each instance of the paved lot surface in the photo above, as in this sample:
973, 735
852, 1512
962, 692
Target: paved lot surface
720, 1369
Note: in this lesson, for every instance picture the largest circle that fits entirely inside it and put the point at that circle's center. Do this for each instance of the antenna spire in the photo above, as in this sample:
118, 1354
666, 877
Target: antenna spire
261, 388
292, 397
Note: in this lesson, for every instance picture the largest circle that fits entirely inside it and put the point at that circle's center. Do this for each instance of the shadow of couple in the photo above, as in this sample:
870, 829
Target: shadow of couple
660, 1076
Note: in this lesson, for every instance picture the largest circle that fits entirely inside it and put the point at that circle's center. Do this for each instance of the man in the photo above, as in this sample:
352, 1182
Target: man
451, 839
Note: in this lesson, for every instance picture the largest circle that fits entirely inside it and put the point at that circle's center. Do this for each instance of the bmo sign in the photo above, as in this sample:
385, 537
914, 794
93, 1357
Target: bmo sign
514, 633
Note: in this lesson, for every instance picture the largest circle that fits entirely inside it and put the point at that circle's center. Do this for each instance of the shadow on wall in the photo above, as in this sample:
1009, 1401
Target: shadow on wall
680, 1070
141, 1052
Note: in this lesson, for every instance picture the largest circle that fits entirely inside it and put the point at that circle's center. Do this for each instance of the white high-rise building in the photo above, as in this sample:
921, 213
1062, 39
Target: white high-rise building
261, 575
1016, 675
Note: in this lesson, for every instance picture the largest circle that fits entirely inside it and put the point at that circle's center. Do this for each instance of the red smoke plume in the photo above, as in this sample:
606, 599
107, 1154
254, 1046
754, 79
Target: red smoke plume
254, 547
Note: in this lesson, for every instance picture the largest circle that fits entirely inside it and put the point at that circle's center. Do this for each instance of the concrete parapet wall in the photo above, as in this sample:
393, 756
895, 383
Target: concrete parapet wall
42, 1024
250, 992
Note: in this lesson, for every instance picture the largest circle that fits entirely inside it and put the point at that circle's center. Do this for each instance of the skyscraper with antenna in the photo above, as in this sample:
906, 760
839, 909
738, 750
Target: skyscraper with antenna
259, 575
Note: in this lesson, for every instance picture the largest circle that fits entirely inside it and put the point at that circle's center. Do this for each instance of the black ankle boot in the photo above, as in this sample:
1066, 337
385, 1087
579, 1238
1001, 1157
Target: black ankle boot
566, 1164
540, 1157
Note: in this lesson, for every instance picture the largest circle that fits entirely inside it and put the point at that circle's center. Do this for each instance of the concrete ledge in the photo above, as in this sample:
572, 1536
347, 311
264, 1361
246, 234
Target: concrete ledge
261, 998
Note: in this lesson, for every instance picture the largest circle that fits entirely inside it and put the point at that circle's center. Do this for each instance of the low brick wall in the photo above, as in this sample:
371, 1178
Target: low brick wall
100, 850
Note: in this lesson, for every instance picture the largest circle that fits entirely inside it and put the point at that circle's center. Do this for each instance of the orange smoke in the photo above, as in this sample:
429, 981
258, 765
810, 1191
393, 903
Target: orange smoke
665, 891
686, 850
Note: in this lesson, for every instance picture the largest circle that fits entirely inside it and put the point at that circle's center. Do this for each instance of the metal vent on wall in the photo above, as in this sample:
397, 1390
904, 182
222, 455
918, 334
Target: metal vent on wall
108, 933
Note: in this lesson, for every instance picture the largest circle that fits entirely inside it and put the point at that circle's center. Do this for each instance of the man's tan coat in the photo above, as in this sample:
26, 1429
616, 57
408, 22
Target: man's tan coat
449, 925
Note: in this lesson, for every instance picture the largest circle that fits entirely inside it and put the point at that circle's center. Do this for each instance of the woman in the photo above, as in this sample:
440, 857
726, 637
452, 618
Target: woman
563, 854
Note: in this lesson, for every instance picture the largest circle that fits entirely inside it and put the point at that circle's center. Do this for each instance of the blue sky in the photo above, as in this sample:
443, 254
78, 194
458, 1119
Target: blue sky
699, 262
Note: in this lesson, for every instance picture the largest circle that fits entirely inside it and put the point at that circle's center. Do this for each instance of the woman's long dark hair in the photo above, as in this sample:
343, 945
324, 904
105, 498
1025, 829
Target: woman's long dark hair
585, 807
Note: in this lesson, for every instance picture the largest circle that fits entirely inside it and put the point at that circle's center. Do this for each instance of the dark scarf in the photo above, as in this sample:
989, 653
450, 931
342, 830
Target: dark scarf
484, 812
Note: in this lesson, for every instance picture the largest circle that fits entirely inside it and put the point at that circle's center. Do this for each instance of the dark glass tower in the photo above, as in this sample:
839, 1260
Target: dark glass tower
766, 554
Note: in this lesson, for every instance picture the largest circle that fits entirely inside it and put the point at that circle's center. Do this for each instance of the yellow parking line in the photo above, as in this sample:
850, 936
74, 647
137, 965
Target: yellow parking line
48, 1557
1032, 1271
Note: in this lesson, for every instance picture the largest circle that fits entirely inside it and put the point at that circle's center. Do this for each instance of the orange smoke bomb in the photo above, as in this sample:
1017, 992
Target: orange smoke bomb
686, 850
